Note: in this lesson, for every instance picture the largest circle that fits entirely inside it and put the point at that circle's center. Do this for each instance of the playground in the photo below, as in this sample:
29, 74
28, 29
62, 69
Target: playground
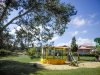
68, 66
61, 58
53, 61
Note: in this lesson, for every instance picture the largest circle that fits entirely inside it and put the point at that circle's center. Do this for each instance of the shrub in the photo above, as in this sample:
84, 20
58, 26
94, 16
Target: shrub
31, 52
4, 52
91, 55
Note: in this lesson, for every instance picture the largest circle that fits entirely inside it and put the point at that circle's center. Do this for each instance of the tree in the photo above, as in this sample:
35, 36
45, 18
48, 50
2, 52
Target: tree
6, 40
98, 48
74, 46
31, 52
50, 15
97, 52
97, 40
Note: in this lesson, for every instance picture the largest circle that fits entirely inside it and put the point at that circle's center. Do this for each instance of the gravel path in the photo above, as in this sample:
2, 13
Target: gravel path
67, 67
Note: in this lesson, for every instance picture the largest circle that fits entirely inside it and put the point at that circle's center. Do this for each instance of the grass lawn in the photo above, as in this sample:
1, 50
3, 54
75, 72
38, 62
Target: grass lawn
86, 58
21, 58
81, 71
9, 67
19, 65
26, 58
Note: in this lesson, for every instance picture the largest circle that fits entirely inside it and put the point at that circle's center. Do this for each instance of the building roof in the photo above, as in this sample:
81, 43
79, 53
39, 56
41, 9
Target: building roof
84, 47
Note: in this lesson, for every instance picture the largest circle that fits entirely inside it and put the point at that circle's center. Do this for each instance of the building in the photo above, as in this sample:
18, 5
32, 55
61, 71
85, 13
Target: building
83, 49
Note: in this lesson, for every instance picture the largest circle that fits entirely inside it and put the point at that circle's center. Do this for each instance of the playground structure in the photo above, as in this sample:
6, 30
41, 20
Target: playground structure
59, 55
53, 55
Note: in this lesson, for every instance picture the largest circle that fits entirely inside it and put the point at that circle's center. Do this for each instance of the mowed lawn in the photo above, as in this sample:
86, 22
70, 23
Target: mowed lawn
27, 59
86, 58
19, 65
81, 71
21, 58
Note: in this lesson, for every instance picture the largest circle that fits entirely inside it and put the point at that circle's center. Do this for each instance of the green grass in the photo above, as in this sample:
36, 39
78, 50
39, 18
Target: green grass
21, 58
19, 65
25, 58
81, 71
9, 67
87, 58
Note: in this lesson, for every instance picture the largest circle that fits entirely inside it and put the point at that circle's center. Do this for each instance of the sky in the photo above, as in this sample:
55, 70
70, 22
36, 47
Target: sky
85, 25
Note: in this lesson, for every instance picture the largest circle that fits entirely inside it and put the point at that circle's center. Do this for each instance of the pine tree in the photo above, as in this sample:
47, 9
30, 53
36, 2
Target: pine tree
74, 46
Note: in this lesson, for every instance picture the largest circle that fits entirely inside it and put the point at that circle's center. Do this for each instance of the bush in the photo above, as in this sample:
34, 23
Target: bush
31, 52
91, 55
4, 52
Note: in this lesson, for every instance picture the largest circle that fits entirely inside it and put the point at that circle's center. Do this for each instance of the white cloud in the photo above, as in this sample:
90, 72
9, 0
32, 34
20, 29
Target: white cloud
78, 21
84, 31
78, 32
18, 28
61, 44
92, 15
66, 43
14, 30
79, 41
75, 33
53, 39
85, 41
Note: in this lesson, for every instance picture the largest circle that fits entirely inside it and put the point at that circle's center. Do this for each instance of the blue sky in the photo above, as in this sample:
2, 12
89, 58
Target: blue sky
85, 26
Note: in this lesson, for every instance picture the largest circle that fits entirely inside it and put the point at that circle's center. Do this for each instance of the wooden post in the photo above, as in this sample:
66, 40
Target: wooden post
78, 56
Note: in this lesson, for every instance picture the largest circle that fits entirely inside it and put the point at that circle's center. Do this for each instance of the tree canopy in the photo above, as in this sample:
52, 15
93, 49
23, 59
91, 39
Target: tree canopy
42, 18
74, 46
97, 40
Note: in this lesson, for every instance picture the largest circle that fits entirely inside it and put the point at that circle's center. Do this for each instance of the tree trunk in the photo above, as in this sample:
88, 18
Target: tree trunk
78, 56
1, 40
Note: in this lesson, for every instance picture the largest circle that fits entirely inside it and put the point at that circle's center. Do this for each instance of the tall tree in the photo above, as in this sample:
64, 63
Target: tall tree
6, 39
50, 15
74, 46
97, 40
22, 38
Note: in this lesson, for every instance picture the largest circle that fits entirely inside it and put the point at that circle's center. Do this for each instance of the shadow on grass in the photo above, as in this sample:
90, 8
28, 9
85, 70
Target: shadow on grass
9, 67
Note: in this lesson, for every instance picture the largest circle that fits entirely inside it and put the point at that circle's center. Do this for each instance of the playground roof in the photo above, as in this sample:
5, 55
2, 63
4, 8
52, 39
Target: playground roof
57, 47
